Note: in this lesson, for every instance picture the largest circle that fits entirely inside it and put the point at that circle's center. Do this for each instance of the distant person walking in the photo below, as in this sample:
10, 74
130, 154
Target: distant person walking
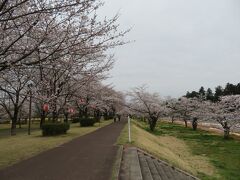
119, 117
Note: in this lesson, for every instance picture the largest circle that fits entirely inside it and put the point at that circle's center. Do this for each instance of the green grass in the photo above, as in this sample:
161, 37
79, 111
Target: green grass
22, 146
5, 129
117, 164
223, 154
123, 138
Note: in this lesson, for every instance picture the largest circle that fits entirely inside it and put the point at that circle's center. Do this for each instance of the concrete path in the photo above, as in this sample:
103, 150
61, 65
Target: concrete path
138, 165
89, 157
130, 168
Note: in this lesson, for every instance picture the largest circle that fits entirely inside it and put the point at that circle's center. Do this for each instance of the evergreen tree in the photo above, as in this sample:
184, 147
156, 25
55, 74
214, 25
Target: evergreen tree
230, 89
209, 95
238, 88
193, 94
188, 94
202, 93
218, 92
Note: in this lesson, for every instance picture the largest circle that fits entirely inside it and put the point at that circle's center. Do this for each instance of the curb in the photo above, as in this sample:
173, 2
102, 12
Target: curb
117, 164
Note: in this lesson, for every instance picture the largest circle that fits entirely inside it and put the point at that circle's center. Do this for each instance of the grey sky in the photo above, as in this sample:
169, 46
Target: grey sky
180, 44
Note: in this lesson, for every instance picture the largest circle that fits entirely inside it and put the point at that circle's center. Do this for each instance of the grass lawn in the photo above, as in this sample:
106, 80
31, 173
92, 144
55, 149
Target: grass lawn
16, 148
5, 129
201, 153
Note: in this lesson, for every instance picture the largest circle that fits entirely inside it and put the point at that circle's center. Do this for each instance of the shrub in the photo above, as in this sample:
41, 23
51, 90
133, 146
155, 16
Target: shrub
108, 117
75, 120
85, 122
97, 118
51, 129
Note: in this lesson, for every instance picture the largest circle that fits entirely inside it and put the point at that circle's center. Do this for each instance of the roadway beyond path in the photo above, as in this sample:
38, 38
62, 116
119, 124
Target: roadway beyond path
90, 157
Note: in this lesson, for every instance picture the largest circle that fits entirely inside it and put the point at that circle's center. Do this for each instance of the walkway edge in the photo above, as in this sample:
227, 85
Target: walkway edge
117, 164
179, 170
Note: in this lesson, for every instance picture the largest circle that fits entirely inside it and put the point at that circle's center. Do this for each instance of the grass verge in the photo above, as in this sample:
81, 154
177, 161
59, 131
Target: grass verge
201, 153
117, 164
16, 148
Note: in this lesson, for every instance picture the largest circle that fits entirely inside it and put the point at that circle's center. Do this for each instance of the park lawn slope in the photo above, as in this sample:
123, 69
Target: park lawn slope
203, 154
223, 154
16, 148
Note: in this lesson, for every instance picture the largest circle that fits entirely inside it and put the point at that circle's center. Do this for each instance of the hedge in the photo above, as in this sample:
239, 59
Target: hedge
108, 117
52, 129
86, 122
75, 120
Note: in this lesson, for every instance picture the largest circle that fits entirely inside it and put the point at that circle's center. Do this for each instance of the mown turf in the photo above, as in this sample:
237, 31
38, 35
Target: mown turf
223, 154
5, 129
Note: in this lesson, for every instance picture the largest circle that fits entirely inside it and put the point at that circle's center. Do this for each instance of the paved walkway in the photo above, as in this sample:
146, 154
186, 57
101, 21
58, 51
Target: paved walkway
89, 157
139, 165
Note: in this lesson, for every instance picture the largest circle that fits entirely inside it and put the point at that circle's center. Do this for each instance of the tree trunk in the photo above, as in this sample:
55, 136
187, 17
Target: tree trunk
97, 115
226, 130
152, 123
226, 133
66, 117
86, 112
172, 119
13, 128
19, 119
119, 117
194, 124
55, 111
105, 115
19, 123
185, 121
14, 122
54, 116
42, 121
80, 112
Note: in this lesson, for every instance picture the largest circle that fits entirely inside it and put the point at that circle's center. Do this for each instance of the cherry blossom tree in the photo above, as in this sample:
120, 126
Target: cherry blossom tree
147, 104
100, 99
53, 29
14, 92
226, 112
173, 106
188, 109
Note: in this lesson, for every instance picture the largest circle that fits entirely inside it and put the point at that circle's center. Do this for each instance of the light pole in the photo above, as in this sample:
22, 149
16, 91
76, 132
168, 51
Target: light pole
129, 130
30, 107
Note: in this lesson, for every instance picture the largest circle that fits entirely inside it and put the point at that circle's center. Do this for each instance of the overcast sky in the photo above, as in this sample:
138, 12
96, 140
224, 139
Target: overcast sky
180, 44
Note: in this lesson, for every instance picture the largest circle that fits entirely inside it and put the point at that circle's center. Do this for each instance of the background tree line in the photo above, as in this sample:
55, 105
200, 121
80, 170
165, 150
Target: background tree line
214, 96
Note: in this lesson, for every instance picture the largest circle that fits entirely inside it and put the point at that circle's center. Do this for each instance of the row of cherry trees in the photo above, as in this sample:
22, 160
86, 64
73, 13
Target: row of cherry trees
225, 112
57, 53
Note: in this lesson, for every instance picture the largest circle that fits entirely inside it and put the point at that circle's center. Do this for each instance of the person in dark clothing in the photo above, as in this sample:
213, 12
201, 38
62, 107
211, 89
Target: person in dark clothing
119, 117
